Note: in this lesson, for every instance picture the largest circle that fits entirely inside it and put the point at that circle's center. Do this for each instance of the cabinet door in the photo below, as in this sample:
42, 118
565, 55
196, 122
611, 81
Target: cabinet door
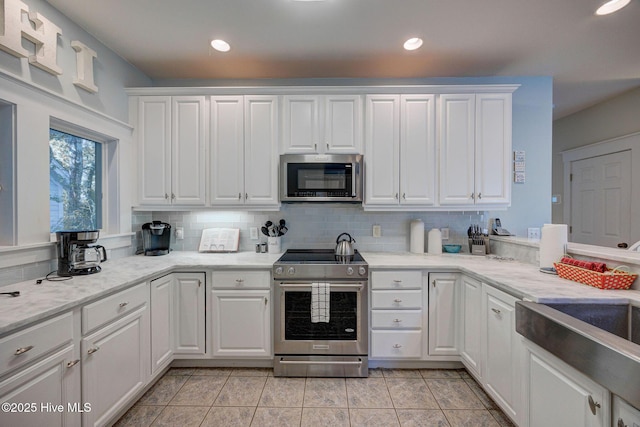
188, 159
227, 150
417, 149
342, 124
471, 303
624, 414
300, 124
443, 314
114, 366
457, 144
382, 149
44, 390
154, 150
493, 149
502, 351
261, 150
162, 320
189, 313
559, 395
241, 323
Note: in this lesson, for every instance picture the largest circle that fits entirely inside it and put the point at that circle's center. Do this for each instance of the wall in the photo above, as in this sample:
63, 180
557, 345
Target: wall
38, 96
316, 226
615, 117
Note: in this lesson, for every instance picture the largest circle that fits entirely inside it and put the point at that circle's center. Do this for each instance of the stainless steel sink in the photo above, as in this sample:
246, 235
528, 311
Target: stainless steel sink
600, 340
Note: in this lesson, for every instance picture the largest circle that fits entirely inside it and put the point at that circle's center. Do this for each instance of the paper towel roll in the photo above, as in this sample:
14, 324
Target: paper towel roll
417, 236
553, 243
435, 242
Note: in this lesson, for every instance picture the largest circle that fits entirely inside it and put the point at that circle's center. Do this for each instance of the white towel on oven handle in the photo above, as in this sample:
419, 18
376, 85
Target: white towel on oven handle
320, 296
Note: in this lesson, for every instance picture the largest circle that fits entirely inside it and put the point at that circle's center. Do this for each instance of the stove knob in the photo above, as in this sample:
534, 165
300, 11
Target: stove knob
349, 271
362, 271
291, 271
279, 270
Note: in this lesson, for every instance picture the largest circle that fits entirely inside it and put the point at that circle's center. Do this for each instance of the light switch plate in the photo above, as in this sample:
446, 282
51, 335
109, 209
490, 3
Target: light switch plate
533, 233
179, 233
253, 231
445, 233
377, 231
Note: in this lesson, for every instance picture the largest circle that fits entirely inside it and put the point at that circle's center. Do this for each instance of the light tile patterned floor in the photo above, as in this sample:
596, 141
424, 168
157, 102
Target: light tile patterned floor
227, 397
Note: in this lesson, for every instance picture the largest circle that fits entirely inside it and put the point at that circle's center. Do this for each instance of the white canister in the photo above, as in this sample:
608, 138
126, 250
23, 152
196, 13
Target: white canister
417, 236
274, 244
435, 241
553, 244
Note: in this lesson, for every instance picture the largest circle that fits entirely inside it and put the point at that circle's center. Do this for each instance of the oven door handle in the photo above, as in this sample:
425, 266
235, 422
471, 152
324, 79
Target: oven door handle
358, 286
319, 362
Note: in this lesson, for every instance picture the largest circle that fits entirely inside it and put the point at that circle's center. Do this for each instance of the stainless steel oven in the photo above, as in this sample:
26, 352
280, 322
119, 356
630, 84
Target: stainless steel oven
336, 346
321, 178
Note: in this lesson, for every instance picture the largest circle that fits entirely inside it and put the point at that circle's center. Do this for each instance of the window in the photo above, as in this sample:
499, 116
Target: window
75, 182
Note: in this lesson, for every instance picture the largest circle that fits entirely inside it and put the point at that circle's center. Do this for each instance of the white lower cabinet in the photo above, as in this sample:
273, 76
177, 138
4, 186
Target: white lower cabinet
559, 395
189, 314
623, 414
114, 366
443, 314
470, 319
162, 309
502, 351
241, 314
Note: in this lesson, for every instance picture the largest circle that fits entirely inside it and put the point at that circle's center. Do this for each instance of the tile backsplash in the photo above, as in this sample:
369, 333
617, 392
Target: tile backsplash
316, 226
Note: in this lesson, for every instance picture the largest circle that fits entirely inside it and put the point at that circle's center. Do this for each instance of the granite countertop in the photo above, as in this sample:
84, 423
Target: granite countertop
38, 302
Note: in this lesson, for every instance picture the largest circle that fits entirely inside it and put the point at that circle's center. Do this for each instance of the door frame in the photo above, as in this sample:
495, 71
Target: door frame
602, 148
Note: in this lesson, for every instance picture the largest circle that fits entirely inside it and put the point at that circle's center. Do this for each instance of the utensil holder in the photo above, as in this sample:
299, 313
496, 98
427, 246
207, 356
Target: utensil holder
274, 244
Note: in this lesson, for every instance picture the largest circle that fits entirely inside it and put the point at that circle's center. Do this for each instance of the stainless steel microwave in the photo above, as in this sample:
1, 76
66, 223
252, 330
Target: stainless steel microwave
321, 178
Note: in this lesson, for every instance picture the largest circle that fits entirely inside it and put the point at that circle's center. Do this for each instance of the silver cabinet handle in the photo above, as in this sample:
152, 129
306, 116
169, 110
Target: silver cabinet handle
621, 423
496, 311
23, 350
166, 196
397, 282
239, 281
434, 283
397, 320
397, 300
266, 301
327, 146
473, 196
72, 363
239, 196
123, 304
246, 196
173, 196
479, 195
404, 196
396, 196
593, 405
93, 349
397, 346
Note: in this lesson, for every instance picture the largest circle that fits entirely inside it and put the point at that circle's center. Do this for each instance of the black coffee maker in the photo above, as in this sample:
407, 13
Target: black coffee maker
76, 255
156, 238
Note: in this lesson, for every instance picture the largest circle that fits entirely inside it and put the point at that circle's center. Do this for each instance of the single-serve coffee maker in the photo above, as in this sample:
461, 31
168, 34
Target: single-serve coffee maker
156, 238
76, 256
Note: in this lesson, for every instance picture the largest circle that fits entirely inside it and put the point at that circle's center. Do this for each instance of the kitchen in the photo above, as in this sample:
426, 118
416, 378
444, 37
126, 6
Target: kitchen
39, 96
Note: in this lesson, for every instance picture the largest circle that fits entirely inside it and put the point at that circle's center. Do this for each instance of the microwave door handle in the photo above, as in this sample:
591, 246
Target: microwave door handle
355, 167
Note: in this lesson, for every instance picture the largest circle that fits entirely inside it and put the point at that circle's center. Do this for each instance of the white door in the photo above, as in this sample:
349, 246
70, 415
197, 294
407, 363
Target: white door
443, 314
161, 322
457, 149
382, 149
300, 124
188, 159
227, 150
342, 124
261, 150
241, 323
493, 148
601, 200
154, 150
190, 311
417, 149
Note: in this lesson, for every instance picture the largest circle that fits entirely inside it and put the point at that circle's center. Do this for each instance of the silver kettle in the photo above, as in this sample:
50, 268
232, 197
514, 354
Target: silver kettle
344, 247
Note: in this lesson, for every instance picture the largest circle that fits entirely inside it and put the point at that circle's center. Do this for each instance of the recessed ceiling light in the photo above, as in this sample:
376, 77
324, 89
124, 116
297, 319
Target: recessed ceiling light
220, 45
612, 6
413, 43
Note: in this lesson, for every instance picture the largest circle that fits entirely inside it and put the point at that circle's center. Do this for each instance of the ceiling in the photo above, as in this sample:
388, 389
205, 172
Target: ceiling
591, 58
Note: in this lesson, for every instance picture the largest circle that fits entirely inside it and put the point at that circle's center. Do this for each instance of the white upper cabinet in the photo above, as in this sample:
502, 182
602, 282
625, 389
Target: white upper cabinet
400, 150
171, 150
475, 149
244, 150
322, 124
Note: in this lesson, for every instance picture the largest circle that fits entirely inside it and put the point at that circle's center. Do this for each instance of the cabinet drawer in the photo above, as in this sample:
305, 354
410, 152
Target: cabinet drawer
242, 279
396, 319
107, 309
396, 344
396, 279
396, 299
22, 347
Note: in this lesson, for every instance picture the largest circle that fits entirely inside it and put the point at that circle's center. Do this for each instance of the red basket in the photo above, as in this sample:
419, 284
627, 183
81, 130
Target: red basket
612, 279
